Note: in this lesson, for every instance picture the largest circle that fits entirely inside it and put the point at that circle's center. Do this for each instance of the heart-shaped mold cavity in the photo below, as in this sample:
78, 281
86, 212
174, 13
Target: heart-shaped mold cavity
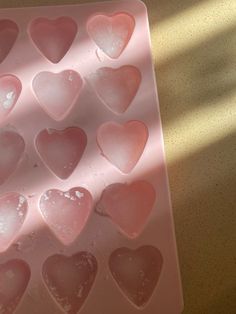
10, 89
136, 272
111, 33
116, 87
53, 38
12, 147
129, 206
14, 279
122, 145
57, 92
69, 144
13, 210
8, 35
70, 279
66, 213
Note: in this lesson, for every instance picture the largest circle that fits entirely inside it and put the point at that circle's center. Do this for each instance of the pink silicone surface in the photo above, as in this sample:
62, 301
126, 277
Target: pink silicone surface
86, 223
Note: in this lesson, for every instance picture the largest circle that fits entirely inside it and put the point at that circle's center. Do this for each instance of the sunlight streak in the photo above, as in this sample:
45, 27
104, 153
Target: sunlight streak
197, 129
191, 27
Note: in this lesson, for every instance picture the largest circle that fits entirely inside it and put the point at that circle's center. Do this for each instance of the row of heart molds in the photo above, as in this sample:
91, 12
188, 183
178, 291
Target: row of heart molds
121, 144
53, 38
69, 279
66, 213
58, 92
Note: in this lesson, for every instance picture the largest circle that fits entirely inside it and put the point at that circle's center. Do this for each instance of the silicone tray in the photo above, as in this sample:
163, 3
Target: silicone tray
85, 216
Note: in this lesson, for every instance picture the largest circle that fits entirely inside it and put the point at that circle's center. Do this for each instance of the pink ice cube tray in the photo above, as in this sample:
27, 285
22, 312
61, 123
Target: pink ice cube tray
85, 216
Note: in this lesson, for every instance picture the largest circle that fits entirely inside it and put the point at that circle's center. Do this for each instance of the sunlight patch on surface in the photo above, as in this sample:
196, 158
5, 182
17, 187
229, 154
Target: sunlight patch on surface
192, 27
199, 128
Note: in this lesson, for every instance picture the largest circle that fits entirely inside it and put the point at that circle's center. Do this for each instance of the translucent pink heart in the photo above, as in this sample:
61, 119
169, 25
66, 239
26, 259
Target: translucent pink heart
61, 150
116, 87
129, 206
122, 145
14, 278
8, 35
13, 210
66, 213
57, 92
53, 38
12, 147
70, 279
111, 33
136, 272
10, 89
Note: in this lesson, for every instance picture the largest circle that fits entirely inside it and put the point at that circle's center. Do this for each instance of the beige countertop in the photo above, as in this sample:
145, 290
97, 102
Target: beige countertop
194, 49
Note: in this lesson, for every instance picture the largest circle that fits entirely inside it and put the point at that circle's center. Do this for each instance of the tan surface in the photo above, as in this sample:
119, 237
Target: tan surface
194, 47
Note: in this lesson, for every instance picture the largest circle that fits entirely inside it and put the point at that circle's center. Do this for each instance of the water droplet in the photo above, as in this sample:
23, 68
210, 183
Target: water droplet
79, 194
67, 194
9, 100
22, 199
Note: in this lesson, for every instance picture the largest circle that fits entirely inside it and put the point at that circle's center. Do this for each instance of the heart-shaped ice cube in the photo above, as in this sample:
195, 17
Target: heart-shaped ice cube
12, 147
8, 35
14, 278
116, 87
70, 279
57, 92
53, 38
66, 213
61, 150
129, 206
13, 210
122, 145
136, 272
111, 33
10, 89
